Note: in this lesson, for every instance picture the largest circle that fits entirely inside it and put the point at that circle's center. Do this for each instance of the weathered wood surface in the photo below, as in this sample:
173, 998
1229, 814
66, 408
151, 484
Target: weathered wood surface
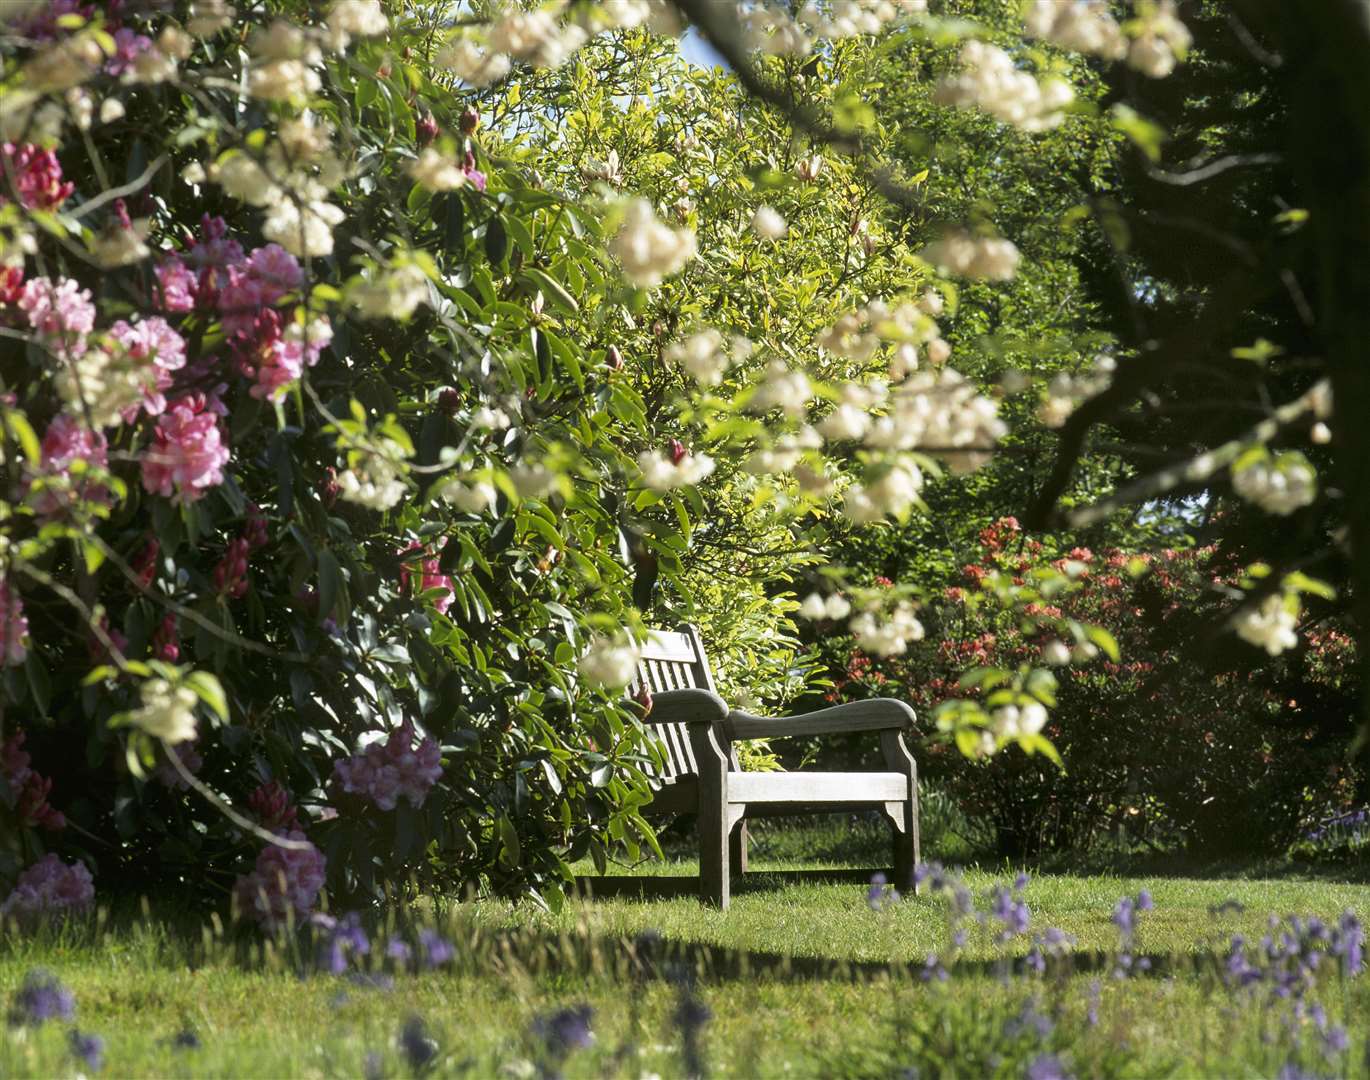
873, 715
810, 787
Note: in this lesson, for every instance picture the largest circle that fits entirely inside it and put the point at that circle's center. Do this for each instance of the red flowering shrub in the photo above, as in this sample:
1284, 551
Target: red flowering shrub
1192, 734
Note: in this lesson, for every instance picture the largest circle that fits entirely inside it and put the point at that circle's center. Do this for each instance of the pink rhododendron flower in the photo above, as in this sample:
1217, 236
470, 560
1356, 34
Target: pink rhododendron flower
66, 441
42, 24
14, 627
271, 805
214, 255
154, 341
241, 299
36, 175
11, 284
178, 285
474, 176
284, 881
28, 790
49, 888
385, 772
276, 271
433, 578
128, 45
63, 312
188, 453
275, 353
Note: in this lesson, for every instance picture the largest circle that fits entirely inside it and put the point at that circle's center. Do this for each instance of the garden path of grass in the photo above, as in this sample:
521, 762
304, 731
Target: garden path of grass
139, 984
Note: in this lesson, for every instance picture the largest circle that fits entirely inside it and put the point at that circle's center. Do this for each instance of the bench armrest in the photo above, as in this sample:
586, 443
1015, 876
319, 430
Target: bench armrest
686, 707
877, 714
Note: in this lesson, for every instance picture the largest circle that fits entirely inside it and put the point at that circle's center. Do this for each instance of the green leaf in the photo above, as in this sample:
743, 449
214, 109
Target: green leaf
209, 690
552, 290
1105, 640
330, 583
1145, 134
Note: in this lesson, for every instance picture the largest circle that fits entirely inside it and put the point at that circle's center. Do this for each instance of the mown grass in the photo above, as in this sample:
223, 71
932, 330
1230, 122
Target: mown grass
801, 978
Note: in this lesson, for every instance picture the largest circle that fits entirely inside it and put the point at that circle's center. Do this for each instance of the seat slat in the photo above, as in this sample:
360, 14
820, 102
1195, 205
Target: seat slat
807, 787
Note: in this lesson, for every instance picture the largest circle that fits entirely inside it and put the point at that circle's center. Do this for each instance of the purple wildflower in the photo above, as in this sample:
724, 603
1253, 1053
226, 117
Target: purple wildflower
40, 999
89, 1048
566, 1029
1092, 1010
1046, 1067
1021, 882
881, 894
1010, 911
933, 970
398, 950
437, 950
1348, 943
345, 939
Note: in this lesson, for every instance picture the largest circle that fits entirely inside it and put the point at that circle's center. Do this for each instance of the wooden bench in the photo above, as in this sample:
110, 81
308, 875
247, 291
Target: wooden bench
701, 774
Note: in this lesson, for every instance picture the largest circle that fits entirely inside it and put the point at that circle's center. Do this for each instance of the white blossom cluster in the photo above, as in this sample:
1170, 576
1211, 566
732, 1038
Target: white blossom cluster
989, 80
648, 249
896, 489
1161, 40
941, 413
1016, 721
768, 224
858, 335
1064, 391
888, 634
377, 481
167, 712
771, 30
784, 453
815, 607
662, 472
782, 388
1083, 26
468, 494
610, 663
705, 355
102, 383
852, 417
983, 258
1279, 484
393, 293
540, 39
1271, 626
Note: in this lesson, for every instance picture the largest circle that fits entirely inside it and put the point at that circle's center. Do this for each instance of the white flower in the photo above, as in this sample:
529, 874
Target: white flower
393, 294
1056, 653
931, 303
837, 606
1084, 652
1320, 434
648, 250
941, 412
887, 637
437, 171
809, 169
167, 712
283, 80
1032, 717
119, 246
782, 389
1162, 40
1269, 626
82, 108
158, 64
103, 384
768, 224
662, 473
65, 63
893, 493
208, 17
111, 109
1279, 485
702, 355
377, 480
303, 228
939, 352
610, 663
486, 417
347, 19
242, 177
472, 64
982, 258
1083, 26
774, 32
1004, 722
813, 607
532, 481
847, 421
470, 496
990, 80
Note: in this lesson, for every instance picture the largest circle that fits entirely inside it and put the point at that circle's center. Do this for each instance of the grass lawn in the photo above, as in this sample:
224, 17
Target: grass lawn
801, 978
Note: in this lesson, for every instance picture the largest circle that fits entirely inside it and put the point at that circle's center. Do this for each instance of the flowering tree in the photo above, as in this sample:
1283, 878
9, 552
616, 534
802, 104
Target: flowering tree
373, 371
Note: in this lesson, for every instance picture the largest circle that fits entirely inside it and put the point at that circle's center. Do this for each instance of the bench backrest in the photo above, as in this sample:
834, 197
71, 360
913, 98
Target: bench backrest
674, 660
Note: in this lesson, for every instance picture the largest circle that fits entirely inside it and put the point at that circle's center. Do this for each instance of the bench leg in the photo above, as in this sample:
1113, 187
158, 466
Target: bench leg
906, 853
737, 849
714, 860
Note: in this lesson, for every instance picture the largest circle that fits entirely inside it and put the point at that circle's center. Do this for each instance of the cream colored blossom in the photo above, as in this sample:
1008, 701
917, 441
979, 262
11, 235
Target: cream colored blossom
649, 250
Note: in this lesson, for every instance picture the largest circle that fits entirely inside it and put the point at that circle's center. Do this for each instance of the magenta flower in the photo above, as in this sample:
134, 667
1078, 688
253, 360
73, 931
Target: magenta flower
14, 627
276, 271
178, 285
66, 442
188, 453
128, 46
49, 888
62, 313
162, 349
432, 578
36, 175
284, 882
28, 790
385, 772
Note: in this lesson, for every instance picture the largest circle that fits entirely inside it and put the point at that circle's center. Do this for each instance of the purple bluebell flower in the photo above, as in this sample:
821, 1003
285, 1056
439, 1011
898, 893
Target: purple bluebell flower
1348, 943
1021, 882
398, 950
1011, 912
342, 939
1029, 1020
1046, 1067
1092, 1010
1335, 1041
1035, 961
41, 998
420, 1049
89, 1048
1144, 901
566, 1029
933, 970
437, 950
881, 894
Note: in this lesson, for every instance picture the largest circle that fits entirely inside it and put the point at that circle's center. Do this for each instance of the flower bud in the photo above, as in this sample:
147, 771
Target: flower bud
426, 128
470, 120
679, 452
449, 401
614, 358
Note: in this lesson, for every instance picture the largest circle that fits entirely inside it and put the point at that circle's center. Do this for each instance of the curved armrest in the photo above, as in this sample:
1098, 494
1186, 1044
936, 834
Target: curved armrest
877, 714
686, 707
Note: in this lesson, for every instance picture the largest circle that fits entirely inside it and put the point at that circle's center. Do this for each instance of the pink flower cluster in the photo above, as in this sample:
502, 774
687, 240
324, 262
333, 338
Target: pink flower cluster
14, 627
65, 442
230, 576
49, 888
433, 577
154, 343
36, 175
285, 881
166, 642
270, 347
385, 772
128, 46
188, 453
27, 787
62, 313
271, 805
